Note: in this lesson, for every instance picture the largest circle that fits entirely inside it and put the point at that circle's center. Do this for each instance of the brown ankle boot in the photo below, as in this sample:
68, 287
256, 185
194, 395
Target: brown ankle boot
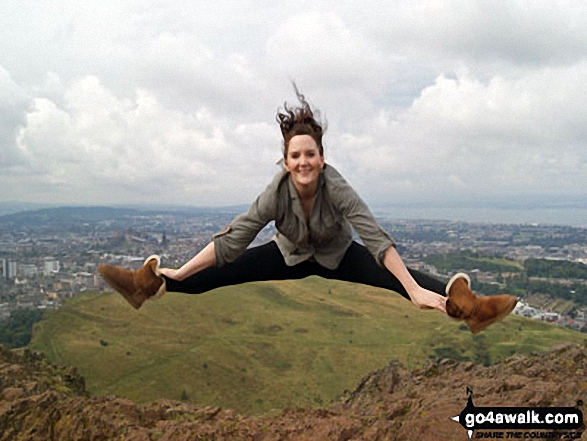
138, 285
478, 312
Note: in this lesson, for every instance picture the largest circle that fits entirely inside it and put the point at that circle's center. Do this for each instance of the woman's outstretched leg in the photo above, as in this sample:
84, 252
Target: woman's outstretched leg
462, 304
359, 266
261, 263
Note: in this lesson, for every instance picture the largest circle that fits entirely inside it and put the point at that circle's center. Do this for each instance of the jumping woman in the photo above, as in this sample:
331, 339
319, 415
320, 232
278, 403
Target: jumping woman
313, 208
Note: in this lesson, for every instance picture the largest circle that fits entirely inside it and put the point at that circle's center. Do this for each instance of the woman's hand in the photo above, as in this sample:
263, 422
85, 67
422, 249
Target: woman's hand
425, 299
421, 297
169, 272
204, 259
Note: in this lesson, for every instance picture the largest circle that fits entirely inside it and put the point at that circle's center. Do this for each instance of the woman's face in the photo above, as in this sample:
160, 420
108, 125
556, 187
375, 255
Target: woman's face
304, 161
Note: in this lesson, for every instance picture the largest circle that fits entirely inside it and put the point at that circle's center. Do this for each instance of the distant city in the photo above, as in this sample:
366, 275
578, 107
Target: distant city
50, 255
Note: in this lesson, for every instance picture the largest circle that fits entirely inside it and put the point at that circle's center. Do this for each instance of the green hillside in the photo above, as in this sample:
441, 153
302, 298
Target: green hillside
264, 345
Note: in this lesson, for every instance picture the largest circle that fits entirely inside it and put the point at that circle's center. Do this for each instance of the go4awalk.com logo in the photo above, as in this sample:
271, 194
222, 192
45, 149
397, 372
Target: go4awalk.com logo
520, 422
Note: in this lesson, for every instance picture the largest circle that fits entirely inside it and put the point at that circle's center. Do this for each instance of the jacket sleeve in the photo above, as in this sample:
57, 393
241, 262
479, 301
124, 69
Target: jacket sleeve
357, 213
232, 241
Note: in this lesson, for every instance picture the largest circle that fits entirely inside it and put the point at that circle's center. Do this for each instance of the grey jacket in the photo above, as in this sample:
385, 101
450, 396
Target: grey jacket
325, 238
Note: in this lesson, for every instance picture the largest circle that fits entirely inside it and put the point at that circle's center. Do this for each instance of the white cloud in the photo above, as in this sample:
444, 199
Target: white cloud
174, 102
471, 138
518, 32
98, 143
13, 106
322, 49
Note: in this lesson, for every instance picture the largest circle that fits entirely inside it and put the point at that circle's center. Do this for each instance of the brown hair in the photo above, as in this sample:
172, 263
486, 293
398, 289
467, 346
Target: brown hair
300, 121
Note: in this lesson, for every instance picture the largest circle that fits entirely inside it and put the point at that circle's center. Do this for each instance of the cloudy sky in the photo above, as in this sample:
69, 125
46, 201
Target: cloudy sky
128, 101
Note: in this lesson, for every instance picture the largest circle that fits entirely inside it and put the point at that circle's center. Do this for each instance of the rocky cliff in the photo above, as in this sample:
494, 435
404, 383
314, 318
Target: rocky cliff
39, 401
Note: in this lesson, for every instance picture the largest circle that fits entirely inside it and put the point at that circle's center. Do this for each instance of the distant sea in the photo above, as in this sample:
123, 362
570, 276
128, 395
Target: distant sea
515, 212
571, 216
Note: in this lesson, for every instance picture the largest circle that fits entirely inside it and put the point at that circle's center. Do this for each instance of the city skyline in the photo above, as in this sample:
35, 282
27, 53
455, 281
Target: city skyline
51, 255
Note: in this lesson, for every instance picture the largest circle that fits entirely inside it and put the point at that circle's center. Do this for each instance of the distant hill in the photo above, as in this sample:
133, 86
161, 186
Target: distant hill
10, 207
76, 215
266, 345
66, 215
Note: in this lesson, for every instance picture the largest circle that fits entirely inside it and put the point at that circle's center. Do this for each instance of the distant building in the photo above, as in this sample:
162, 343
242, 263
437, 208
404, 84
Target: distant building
525, 310
3, 269
5, 309
86, 280
51, 266
12, 269
28, 270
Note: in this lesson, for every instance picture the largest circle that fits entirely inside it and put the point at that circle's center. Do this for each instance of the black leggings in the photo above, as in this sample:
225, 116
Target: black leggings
266, 262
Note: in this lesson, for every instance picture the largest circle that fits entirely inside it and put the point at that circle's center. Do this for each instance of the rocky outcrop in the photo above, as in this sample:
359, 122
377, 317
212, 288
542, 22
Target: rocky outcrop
39, 401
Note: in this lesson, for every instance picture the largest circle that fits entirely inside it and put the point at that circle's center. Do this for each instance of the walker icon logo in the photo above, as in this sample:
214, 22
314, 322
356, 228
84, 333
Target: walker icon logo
566, 421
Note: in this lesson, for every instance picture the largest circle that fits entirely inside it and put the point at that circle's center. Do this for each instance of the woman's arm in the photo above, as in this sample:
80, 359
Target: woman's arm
231, 242
422, 298
377, 241
204, 259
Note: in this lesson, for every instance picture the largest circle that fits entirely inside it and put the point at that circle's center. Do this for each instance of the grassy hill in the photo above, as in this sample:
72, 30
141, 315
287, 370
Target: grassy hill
264, 345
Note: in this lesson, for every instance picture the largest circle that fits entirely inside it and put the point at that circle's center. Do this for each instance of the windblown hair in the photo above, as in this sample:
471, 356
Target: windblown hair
300, 121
